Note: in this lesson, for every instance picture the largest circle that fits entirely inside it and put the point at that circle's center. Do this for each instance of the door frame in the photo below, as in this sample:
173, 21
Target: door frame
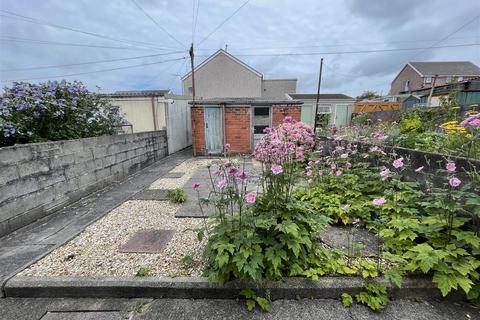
252, 130
222, 129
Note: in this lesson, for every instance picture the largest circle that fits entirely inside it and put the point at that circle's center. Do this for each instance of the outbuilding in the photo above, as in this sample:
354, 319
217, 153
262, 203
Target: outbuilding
240, 122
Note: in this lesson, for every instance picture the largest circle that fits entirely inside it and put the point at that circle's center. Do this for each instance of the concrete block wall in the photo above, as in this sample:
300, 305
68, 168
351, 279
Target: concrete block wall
37, 179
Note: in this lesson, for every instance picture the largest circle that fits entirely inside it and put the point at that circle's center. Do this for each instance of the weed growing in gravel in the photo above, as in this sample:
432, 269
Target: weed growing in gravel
143, 272
177, 195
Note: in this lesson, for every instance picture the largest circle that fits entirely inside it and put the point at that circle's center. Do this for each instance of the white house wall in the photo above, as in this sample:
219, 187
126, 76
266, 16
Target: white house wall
139, 113
223, 77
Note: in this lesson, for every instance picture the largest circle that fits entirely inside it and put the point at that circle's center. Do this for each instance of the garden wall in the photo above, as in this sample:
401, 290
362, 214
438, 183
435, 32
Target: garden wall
38, 178
430, 161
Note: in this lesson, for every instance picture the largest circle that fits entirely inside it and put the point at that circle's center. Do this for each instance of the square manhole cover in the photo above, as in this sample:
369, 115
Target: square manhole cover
173, 175
148, 241
151, 194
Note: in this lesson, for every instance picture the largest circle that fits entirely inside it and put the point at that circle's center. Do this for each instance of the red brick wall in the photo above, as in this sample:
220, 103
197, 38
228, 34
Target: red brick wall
280, 112
237, 129
198, 131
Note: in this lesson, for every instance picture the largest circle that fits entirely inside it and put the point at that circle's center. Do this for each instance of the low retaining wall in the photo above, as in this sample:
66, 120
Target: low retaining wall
200, 288
39, 178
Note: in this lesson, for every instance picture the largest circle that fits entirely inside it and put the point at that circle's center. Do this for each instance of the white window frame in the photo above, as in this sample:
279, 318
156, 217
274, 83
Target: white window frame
448, 79
427, 80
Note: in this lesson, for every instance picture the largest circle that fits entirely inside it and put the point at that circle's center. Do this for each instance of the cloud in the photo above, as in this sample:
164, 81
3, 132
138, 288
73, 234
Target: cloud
323, 26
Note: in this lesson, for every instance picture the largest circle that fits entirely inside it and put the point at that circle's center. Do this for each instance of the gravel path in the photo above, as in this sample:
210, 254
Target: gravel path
95, 251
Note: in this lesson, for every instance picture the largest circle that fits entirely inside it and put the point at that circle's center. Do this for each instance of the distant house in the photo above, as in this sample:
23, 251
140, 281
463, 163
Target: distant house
338, 105
420, 75
224, 76
465, 93
152, 110
239, 122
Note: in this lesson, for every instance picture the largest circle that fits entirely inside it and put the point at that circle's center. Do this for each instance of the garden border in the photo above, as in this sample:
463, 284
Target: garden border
199, 288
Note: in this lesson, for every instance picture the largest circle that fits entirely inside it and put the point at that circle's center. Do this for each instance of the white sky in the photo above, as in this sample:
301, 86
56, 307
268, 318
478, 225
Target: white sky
261, 27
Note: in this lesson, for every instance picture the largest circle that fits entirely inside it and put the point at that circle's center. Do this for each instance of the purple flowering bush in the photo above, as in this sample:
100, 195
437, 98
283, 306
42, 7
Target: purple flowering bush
54, 111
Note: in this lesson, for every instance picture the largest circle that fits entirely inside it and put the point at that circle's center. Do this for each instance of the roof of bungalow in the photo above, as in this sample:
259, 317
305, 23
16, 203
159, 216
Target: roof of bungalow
322, 96
138, 93
245, 101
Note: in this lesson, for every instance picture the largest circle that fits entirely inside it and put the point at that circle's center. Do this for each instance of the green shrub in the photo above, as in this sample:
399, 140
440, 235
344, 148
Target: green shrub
177, 195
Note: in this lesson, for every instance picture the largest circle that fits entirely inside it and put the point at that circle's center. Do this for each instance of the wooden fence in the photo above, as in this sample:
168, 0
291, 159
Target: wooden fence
376, 106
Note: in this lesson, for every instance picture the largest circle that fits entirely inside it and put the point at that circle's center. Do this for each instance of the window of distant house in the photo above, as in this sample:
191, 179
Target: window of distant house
428, 79
190, 90
460, 78
448, 79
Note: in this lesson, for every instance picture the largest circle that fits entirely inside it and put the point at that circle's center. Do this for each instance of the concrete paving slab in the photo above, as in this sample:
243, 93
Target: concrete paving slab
36, 308
83, 315
362, 241
56, 229
173, 175
307, 309
151, 194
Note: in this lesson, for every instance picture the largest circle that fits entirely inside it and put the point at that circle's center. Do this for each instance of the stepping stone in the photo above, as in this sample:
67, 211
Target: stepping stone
337, 237
148, 241
151, 194
173, 175
83, 315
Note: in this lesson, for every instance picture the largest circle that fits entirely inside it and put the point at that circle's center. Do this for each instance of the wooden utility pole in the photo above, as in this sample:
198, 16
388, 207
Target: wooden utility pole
318, 94
429, 101
193, 72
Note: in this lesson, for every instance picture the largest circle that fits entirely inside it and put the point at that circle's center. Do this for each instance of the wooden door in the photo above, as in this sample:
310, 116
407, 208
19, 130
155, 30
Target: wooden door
213, 130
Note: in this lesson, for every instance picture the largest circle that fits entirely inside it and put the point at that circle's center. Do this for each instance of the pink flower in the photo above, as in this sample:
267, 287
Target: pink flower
454, 182
222, 184
228, 164
195, 186
333, 166
216, 172
338, 173
320, 173
379, 201
344, 156
384, 173
243, 176
398, 163
356, 221
277, 169
232, 171
299, 155
451, 166
251, 197
419, 169
227, 146
348, 165
287, 119
309, 172
267, 130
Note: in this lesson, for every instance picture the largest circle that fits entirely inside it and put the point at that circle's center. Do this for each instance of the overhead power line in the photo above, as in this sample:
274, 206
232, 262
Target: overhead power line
95, 71
347, 52
314, 45
16, 16
195, 21
157, 24
90, 62
223, 22
38, 41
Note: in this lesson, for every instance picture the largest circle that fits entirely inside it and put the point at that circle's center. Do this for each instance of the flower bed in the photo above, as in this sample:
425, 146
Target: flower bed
274, 232
438, 130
